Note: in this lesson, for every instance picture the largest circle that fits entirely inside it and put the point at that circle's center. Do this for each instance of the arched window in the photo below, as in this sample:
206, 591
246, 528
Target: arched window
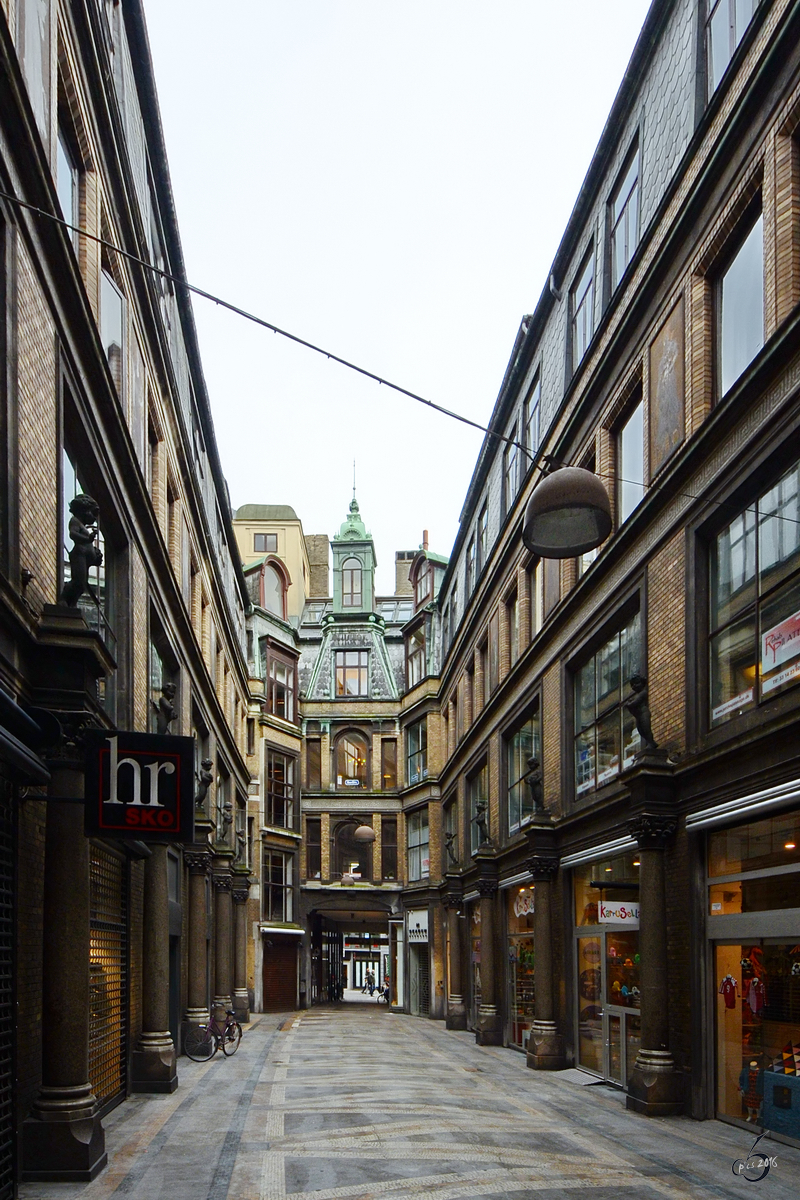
274, 591
351, 762
351, 857
351, 583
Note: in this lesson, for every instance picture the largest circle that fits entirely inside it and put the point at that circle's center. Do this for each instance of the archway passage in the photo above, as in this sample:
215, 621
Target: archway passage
347, 948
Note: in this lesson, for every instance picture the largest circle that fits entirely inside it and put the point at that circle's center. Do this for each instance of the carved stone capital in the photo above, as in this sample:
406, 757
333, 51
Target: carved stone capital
75, 724
198, 861
487, 887
222, 883
543, 867
652, 831
240, 894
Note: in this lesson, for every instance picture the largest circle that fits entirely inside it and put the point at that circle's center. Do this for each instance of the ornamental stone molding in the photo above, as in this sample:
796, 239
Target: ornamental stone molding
198, 861
652, 831
222, 883
543, 867
240, 894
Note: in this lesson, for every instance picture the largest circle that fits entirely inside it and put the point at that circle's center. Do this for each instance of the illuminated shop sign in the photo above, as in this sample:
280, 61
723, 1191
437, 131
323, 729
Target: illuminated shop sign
139, 786
619, 912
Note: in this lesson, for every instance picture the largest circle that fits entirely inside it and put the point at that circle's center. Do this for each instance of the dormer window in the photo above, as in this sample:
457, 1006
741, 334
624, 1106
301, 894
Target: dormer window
423, 588
351, 583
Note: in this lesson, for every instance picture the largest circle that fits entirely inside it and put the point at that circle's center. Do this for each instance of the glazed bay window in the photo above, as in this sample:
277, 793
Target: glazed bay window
624, 219
352, 672
279, 790
418, 848
606, 738
755, 602
277, 886
522, 745
582, 311
415, 656
478, 789
726, 22
630, 459
417, 743
741, 308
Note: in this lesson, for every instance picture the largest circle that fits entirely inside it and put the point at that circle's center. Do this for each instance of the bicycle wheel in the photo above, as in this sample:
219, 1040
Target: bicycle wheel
199, 1043
231, 1038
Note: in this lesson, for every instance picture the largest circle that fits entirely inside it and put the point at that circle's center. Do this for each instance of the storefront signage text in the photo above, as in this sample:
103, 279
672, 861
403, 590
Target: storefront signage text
619, 912
781, 644
418, 925
139, 786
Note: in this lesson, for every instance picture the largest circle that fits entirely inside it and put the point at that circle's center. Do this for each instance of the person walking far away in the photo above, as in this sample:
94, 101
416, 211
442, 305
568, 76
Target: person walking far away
369, 980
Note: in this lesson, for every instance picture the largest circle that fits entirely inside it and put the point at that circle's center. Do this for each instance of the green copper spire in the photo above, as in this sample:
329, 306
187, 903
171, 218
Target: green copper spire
353, 529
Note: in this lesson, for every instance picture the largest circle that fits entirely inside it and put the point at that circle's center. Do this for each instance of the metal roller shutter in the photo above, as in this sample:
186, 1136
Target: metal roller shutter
280, 977
108, 979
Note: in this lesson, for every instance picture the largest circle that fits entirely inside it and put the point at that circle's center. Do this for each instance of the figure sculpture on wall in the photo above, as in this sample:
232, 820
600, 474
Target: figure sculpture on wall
204, 778
480, 820
639, 708
225, 820
241, 847
165, 710
449, 842
84, 554
534, 781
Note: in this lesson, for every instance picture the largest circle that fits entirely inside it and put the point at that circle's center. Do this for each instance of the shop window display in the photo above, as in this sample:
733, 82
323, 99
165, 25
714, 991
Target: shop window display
520, 908
758, 1034
474, 917
606, 896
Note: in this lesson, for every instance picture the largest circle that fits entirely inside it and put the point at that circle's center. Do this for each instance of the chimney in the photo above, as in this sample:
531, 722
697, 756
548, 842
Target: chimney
317, 548
424, 539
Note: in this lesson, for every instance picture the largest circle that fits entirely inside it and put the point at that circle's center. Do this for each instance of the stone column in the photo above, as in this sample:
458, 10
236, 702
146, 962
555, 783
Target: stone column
456, 1017
63, 1138
241, 997
546, 1046
153, 1063
489, 1031
223, 939
198, 861
655, 1088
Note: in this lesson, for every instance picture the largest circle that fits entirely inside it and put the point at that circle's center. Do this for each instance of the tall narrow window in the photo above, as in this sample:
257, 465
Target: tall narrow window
280, 790
630, 456
582, 307
67, 182
351, 583
417, 742
624, 215
423, 588
415, 656
452, 849
741, 308
483, 538
536, 594
512, 627
531, 420
494, 652
606, 739
277, 889
725, 25
522, 745
418, 845
453, 613
470, 569
274, 591
112, 314
388, 764
351, 761
313, 848
510, 470
389, 848
281, 687
96, 606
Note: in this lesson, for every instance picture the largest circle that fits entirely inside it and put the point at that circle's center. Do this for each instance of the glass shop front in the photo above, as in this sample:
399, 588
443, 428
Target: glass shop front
754, 897
520, 968
606, 957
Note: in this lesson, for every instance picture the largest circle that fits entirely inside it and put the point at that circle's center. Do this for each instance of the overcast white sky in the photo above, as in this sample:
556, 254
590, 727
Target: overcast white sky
390, 181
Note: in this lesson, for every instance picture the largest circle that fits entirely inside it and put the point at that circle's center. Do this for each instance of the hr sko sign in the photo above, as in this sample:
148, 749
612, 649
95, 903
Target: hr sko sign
139, 785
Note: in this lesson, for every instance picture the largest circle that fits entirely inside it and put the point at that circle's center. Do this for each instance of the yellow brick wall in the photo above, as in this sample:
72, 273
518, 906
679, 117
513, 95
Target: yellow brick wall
666, 643
551, 739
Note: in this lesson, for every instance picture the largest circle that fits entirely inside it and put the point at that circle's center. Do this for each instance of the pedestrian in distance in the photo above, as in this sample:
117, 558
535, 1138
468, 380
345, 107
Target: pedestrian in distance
369, 980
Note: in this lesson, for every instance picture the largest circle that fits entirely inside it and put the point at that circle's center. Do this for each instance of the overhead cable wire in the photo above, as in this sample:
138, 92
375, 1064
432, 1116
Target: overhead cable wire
547, 461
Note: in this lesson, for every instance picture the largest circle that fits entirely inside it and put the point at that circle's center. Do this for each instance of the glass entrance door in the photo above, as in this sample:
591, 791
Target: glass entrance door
609, 1024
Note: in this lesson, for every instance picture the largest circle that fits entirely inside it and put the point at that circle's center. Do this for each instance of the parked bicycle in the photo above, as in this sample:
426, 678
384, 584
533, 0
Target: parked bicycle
203, 1041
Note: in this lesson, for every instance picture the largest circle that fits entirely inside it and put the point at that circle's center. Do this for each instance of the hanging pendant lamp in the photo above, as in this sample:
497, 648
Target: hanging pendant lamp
364, 833
568, 514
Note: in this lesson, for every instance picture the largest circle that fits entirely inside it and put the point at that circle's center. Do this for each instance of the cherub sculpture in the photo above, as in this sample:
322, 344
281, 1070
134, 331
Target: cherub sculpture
637, 705
84, 554
165, 710
204, 780
480, 820
534, 781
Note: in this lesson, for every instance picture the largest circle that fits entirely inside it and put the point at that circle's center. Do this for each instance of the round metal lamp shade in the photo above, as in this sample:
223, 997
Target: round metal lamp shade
568, 514
364, 833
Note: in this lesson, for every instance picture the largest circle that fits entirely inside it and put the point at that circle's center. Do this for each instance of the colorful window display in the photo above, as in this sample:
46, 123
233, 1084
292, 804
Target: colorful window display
758, 1034
520, 909
607, 964
474, 918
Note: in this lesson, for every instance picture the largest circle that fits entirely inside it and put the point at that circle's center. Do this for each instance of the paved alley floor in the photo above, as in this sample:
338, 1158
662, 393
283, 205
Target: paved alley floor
356, 1102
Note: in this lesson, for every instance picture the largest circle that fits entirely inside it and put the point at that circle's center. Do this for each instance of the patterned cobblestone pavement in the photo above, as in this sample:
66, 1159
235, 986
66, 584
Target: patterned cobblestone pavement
355, 1103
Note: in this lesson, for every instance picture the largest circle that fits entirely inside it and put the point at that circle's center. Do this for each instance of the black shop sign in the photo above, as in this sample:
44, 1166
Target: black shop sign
139, 785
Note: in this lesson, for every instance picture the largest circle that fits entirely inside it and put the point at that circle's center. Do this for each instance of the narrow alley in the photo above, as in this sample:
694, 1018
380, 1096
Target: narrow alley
355, 1101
